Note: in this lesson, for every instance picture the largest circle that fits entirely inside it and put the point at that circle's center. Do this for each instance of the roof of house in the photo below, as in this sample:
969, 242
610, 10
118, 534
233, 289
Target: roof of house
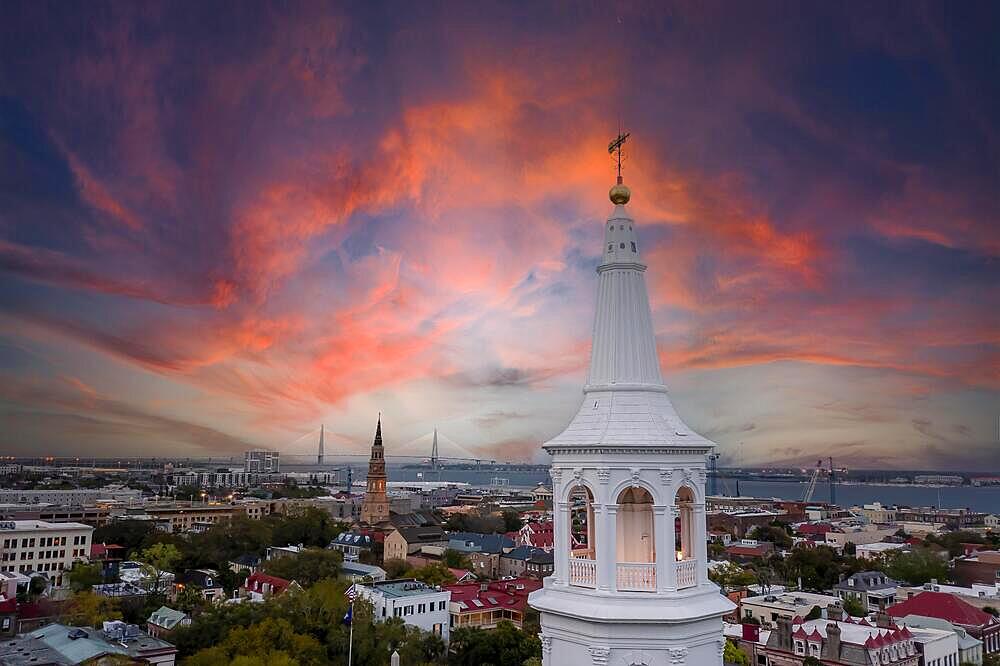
425, 534
762, 548
201, 577
247, 560
521, 553
541, 557
353, 538
511, 594
965, 641
474, 542
461, 574
166, 617
255, 582
99, 550
62, 644
866, 580
943, 606
405, 587
361, 569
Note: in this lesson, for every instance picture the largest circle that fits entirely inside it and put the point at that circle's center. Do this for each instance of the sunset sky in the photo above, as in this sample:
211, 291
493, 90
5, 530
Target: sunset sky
224, 224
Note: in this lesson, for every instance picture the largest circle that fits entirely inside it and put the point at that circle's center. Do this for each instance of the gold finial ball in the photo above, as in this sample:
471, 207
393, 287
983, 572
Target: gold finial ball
620, 194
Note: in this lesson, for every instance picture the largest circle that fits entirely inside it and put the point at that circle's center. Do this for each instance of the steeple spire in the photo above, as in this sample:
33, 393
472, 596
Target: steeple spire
375, 506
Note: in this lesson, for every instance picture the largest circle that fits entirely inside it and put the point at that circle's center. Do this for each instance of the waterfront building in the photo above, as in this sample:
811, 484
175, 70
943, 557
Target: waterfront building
35, 546
375, 507
261, 461
627, 468
416, 603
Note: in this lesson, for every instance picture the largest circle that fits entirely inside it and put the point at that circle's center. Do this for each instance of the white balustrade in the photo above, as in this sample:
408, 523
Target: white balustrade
582, 572
637, 576
687, 573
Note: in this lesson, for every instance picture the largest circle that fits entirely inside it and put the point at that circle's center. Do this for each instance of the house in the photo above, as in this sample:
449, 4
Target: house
483, 550
416, 603
769, 608
282, 551
539, 565
356, 572
109, 556
164, 620
746, 550
145, 576
873, 589
949, 607
839, 642
354, 543
260, 586
537, 534
246, 562
484, 605
204, 580
404, 541
841, 536
515, 562
59, 644
970, 650
978, 595
981, 567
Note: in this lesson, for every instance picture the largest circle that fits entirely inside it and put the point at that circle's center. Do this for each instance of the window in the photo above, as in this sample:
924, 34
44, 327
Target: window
611, 247
422, 608
441, 606
633, 247
621, 245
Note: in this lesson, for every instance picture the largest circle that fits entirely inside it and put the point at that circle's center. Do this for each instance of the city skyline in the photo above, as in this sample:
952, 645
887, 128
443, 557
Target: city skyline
219, 234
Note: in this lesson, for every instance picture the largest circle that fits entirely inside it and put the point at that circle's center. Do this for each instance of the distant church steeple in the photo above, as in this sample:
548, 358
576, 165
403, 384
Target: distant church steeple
375, 506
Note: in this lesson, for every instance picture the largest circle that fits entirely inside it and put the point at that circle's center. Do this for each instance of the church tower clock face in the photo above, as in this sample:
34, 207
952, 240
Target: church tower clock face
630, 583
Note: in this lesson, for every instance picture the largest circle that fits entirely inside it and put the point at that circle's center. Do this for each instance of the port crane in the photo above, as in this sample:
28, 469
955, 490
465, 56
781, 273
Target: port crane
811, 488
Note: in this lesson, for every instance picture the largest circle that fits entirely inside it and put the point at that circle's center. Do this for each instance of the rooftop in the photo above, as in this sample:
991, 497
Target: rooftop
39, 525
943, 606
407, 587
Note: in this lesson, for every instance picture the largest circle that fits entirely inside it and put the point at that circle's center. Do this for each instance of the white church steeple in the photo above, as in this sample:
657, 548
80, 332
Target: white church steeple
630, 583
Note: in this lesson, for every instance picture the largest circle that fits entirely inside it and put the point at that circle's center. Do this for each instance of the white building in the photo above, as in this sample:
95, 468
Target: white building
260, 461
417, 603
768, 608
630, 591
937, 647
72, 497
867, 551
49, 548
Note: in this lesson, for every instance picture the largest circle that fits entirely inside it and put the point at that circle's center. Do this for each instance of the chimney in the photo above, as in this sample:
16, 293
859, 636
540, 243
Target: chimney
882, 620
831, 650
835, 612
785, 633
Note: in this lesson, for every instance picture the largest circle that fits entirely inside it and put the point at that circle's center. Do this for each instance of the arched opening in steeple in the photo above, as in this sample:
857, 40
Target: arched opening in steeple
684, 542
581, 537
636, 543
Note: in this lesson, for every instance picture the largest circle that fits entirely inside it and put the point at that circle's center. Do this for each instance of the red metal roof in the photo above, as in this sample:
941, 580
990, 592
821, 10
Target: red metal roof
509, 594
255, 583
943, 606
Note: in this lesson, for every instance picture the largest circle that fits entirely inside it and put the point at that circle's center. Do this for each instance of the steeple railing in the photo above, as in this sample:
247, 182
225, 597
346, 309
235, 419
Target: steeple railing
687, 573
636, 576
582, 572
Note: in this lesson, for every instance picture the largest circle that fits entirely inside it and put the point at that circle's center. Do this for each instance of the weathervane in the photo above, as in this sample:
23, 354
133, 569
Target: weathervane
616, 147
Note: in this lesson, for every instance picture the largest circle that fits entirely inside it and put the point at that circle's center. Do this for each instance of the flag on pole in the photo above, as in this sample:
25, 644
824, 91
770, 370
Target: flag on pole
348, 616
351, 593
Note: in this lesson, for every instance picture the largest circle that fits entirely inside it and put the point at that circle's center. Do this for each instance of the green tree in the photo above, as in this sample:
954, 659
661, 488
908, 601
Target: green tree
455, 559
158, 560
308, 526
854, 607
306, 567
504, 646
84, 576
729, 575
734, 655
773, 533
917, 566
815, 613
87, 609
435, 573
511, 521
130, 534
272, 641
395, 568
190, 600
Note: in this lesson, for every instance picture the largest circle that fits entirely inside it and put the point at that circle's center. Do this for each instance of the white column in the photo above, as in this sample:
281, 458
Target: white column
664, 554
561, 544
607, 561
670, 580
700, 536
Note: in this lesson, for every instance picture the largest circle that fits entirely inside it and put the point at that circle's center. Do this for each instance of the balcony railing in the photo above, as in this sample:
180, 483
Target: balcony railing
687, 573
582, 572
636, 576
